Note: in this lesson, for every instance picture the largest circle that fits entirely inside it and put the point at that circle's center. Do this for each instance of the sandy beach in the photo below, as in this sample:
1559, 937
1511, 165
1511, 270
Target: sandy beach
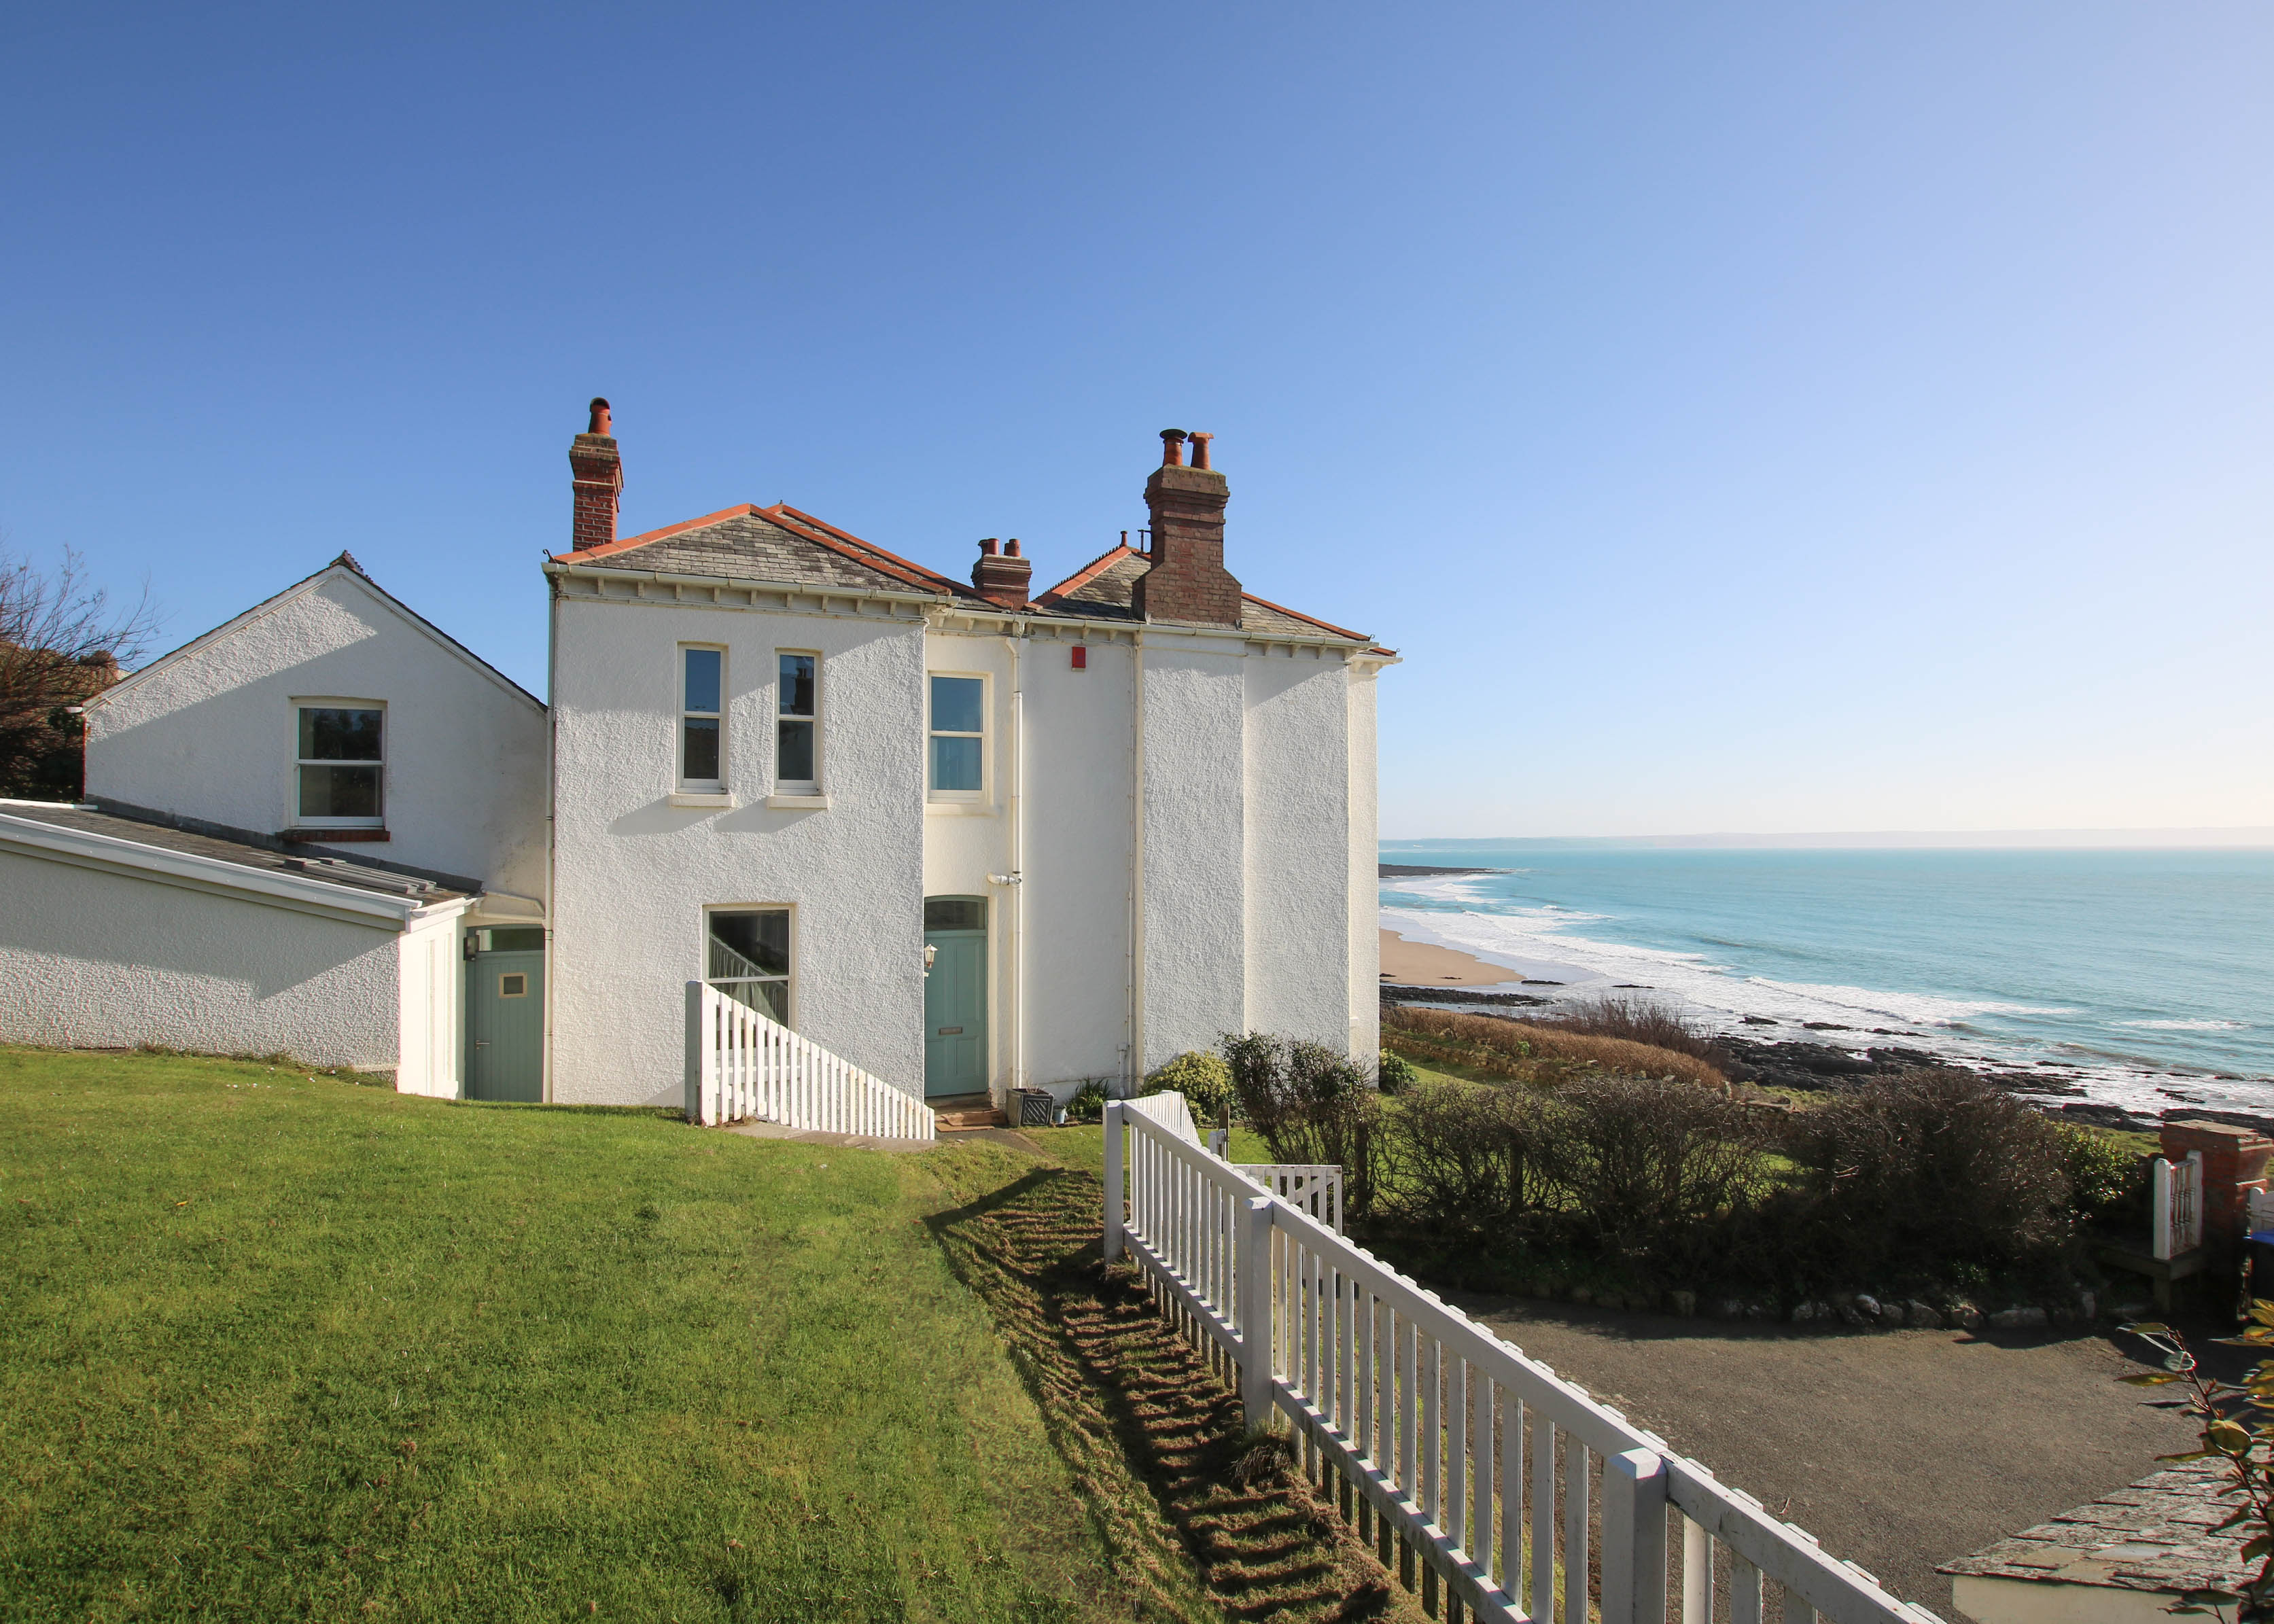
1423, 964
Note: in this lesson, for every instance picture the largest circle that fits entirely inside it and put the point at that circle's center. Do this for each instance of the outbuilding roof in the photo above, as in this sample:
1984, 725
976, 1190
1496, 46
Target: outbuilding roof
208, 853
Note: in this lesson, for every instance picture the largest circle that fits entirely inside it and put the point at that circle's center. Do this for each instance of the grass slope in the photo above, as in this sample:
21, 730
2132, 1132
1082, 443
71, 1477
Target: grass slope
282, 1347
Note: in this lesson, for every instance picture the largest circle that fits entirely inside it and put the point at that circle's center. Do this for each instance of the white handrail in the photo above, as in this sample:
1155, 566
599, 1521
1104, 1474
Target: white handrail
743, 1065
1477, 1458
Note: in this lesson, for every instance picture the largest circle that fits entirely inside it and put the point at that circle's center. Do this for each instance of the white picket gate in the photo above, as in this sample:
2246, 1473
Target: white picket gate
743, 1065
2176, 1207
1479, 1461
1316, 1189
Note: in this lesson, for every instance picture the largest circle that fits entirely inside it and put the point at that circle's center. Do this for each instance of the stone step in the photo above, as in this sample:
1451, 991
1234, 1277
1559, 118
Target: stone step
970, 1116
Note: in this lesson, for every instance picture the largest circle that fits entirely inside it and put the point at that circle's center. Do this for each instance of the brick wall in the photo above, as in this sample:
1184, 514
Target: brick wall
598, 472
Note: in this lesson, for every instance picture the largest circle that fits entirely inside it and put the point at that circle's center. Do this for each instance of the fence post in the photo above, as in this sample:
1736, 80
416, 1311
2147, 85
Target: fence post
699, 1053
1256, 1311
1634, 1537
1113, 1179
2159, 1210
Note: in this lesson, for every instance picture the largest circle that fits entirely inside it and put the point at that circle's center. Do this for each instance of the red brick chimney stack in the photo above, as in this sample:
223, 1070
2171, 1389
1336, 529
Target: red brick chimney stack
1187, 581
1003, 578
598, 473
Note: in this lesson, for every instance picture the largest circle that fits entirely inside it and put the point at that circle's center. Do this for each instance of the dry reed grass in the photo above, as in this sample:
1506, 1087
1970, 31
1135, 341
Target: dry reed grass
1532, 1052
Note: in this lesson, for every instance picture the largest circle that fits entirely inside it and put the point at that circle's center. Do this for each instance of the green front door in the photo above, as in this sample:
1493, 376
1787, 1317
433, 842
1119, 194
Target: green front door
955, 995
505, 1015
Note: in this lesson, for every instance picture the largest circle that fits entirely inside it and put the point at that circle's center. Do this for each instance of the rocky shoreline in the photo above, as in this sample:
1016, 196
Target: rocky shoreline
1811, 1065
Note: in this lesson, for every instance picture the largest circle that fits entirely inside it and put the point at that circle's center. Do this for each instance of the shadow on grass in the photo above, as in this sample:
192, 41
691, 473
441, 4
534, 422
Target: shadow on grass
1122, 1395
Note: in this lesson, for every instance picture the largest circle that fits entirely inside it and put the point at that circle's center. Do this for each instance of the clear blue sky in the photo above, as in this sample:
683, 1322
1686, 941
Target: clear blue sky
1767, 418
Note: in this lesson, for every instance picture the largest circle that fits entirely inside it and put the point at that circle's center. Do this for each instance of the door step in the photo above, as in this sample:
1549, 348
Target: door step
966, 1112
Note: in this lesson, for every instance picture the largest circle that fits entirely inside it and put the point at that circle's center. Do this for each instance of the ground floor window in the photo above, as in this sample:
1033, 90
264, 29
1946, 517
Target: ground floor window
748, 957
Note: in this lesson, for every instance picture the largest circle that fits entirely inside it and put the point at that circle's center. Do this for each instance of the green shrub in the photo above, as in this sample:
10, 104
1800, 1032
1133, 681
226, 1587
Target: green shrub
1458, 1157
1649, 1168
1394, 1073
1203, 1079
2107, 1178
1310, 1103
1933, 1169
1088, 1102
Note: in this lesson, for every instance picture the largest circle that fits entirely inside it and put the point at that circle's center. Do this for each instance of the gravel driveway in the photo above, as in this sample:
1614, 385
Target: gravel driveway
1898, 1449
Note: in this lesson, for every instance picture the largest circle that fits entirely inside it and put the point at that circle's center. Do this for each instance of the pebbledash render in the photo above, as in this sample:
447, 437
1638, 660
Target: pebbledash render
968, 836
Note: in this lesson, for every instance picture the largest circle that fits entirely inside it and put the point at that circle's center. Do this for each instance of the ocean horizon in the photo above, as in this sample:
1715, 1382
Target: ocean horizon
2141, 975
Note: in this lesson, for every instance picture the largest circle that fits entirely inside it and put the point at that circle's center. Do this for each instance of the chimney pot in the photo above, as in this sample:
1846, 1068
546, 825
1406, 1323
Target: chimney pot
1201, 448
597, 480
1172, 447
987, 546
1010, 548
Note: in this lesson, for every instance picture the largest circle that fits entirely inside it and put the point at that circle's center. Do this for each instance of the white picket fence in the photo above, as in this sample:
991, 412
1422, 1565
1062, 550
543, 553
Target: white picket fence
2176, 1207
743, 1065
1520, 1497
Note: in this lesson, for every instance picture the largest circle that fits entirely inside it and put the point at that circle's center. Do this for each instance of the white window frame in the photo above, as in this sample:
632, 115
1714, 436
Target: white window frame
984, 793
292, 782
712, 786
790, 981
798, 787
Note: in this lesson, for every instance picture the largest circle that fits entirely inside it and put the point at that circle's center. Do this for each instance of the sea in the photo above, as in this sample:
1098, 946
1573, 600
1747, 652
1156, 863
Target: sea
2146, 976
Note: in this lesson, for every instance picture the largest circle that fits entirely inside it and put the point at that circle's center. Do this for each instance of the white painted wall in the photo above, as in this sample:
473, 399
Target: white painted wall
632, 874
96, 959
1066, 923
1365, 871
210, 732
1297, 833
1081, 764
1196, 926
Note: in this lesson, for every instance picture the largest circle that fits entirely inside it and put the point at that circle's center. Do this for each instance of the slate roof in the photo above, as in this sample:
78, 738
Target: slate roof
2156, 1536
783, 544
306, 866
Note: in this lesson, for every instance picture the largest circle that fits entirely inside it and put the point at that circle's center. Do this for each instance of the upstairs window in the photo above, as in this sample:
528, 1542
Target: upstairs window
794, 770
959, 736
702, 689
747, 958
342, 760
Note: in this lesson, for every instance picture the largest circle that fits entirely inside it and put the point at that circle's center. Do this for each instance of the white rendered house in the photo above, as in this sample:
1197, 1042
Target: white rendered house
967, 836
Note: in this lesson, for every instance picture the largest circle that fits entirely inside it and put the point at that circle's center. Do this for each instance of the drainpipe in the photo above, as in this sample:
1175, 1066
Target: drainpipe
1015, 949
552, 833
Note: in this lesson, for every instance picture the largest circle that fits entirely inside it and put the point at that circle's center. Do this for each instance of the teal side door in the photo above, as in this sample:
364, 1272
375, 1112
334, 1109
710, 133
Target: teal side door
505, 1015
956, 1001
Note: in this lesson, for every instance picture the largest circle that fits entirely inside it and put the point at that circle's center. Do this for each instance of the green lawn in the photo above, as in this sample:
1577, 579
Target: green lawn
279, 1346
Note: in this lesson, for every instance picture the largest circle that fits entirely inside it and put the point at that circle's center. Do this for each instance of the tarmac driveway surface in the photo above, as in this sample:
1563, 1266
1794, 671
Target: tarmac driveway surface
1898, 1449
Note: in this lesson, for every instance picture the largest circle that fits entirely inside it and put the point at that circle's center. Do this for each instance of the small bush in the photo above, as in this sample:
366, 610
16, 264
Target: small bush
1650, 1167
2107, 1178
1394, 1073
1933, 1167
1460, 1158
1310, 1103
1088, 1102
1203, 1079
